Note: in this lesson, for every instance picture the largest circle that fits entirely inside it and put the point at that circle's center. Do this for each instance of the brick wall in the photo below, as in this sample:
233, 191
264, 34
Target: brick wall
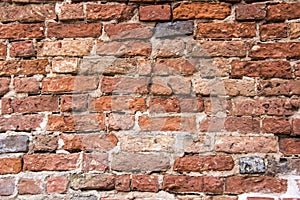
145, 99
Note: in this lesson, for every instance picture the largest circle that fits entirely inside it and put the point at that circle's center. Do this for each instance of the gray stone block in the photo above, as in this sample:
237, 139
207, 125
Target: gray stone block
252, 165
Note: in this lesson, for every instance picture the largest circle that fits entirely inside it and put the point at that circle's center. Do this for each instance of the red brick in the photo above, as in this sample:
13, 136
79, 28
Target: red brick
275, 50
89, 122
190, 184
226, 30
21, 31
88, 142
186, 124
272, 106
50, 162
155, 12
295, 30
203, 163
127, 31
27, 13
246, 144
264, 69
69, 84
127, 48
117, 103
7, 186
160, 86
259, 198
2, 51
276, 125
10, 165
21, 123
73, 103
278, 87
44, 143
65, 65
296, 126
250, 11
71, 12
95, 161
123, 183
174, 66
213, 105
108, 12
125, 85
92, 181
29, 104
297, 69
242, 124
23, 67
120, 121
245, 184
144, 183
4, 85
26, 85
78, 30
197, 10
65, 48
57, 184
289, 146
22, 49
30, 186
283, 11
273, 31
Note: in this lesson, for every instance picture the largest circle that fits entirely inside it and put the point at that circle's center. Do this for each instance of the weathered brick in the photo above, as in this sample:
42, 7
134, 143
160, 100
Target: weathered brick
217, 49
250, 11
30, 186
127, 31
26, 85
127, 48
66, 84
120, 121
21, 123
88, 122
245, 184
50, 162
259, 198
264, 69
203, 163
65, 48
295, 30
30, 104
125, 85
2, 51
278, 87
139, 162
92, 181
22, 49
77, 30
108, 12
4, 85
21, 31
179, 85
276, 125
74, 103
296, 126
23, 67
88, 142
144, 183
246, 144
123, 183
71, 12
7, 186
10, 165
173, 66
12, 144
66, 65
190, 184
289, 146
165, 48
155, 12
275, 50
117, 103
57, 184
27, 13
44, 143
197, 10
186, 124
273, 31
160, 86
95, 161
177, 28
226, 30
283, 11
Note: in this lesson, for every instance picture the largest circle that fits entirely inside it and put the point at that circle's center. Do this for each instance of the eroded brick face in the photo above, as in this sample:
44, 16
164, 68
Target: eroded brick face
149, 100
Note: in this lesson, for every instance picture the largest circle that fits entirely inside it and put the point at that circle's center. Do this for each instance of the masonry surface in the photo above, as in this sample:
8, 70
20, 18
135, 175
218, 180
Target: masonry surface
150, 99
